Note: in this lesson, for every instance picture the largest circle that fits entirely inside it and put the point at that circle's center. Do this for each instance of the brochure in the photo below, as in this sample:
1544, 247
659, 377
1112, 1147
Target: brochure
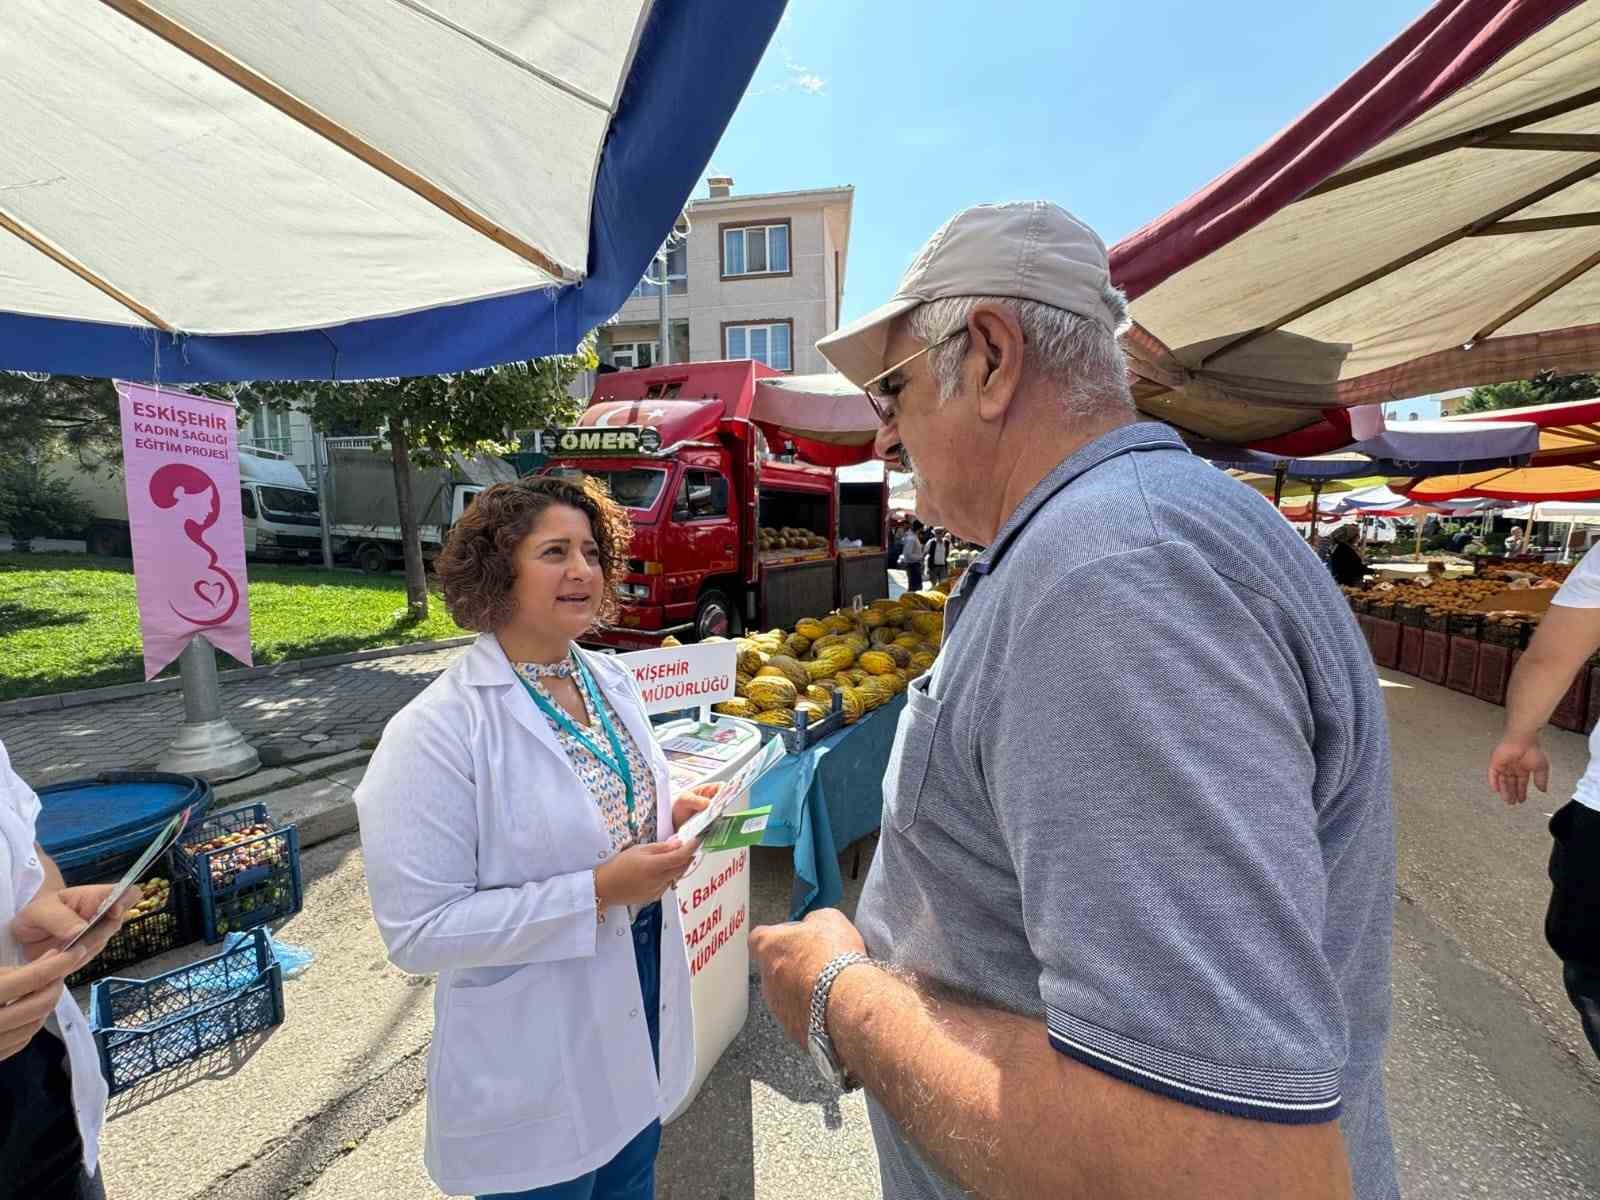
734, 831
164, 839
722, 794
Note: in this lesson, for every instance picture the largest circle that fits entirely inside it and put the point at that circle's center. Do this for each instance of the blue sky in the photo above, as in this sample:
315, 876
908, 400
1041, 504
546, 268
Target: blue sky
1116, 112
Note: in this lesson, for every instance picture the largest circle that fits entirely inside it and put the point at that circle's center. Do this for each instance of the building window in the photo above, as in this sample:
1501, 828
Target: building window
270, 429
633, 354
755, 250
677, 274
766, 343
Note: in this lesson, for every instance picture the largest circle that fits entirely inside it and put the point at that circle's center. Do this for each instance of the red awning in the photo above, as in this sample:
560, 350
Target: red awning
1429, 224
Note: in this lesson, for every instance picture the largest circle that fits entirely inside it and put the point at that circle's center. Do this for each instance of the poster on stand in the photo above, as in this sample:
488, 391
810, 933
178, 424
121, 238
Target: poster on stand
181, 459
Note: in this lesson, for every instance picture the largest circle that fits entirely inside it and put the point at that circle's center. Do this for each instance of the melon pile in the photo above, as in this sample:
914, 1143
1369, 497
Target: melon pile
867, 657
789, 539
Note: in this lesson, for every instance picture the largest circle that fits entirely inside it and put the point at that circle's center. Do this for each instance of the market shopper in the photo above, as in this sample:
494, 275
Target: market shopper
1345, 563
1567, 637
938, 556
519, 842
911, 556
52, 1095
1127, 929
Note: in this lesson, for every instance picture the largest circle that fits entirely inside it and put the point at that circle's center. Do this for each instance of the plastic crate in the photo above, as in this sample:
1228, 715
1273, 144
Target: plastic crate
166, 928
1385, 643
1461, 672
1435, 624
246, 884
1573, 708
144, 1026
1409, 615
1492, 672
1435, 656
806, 732
1411, 640
1465, 624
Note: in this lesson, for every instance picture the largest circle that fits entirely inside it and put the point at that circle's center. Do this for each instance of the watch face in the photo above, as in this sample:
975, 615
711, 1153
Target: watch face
822, 1055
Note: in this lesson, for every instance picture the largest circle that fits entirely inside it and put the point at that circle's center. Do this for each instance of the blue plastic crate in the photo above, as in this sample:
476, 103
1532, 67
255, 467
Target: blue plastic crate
246, 884
149, 934
144, 1026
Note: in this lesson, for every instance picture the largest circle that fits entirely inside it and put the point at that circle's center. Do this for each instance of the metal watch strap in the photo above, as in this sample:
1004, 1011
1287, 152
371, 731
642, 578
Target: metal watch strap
817, 1026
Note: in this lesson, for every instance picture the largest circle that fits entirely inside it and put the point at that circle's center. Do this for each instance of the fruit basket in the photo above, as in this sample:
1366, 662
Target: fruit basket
143, 1026
162, 920
245, 871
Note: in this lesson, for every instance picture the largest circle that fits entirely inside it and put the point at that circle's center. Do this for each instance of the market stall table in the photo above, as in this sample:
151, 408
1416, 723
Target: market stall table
826, 798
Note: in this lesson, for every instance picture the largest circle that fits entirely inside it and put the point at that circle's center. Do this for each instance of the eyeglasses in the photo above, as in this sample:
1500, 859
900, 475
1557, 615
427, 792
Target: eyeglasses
881, 399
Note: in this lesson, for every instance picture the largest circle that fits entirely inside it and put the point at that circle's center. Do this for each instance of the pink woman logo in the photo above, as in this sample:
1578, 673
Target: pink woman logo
194, 495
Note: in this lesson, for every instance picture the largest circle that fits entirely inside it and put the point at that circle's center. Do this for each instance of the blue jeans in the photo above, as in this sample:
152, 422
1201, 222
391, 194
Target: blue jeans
631, 1175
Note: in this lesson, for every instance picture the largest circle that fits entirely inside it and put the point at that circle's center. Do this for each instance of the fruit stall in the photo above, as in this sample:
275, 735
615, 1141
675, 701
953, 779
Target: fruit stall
1468, 634
833, 687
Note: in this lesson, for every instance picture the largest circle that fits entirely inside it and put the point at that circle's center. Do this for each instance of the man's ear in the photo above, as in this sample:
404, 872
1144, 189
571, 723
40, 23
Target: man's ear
996, 336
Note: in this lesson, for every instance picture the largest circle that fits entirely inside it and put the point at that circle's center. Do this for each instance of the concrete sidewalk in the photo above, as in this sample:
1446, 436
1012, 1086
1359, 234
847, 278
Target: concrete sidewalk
290, 717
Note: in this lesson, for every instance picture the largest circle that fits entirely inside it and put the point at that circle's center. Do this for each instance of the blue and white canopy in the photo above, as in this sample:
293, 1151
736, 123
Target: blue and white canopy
344, 188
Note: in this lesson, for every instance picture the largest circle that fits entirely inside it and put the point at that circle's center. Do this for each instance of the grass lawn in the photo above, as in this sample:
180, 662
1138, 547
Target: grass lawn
70, 621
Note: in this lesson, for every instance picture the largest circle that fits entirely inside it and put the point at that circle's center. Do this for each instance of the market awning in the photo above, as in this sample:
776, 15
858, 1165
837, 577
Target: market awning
1429, 224
1566, 466
1407, 451
820, 408
344, 189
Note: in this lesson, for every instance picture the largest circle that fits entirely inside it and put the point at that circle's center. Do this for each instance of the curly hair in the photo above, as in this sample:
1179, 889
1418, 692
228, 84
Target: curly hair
477, 567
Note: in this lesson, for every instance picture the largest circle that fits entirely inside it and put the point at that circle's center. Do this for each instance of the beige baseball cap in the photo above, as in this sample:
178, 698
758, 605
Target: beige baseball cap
1030, 250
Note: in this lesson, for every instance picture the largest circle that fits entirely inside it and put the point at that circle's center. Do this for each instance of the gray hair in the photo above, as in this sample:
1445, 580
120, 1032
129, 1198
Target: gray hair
1077, 353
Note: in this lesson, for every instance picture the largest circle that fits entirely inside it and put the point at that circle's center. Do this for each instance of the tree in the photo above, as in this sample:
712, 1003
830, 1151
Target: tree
1544, 388
425, 420
45, 416
33, 505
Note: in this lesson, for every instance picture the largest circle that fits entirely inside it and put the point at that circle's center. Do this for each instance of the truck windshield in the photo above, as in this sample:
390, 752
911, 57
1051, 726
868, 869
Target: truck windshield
289, 502
636, 487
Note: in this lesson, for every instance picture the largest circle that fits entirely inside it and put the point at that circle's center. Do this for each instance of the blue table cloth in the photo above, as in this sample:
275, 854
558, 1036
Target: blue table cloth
825, 798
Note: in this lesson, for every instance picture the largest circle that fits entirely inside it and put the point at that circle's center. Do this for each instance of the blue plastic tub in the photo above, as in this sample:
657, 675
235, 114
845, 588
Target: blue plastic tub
144, 1026
95, 828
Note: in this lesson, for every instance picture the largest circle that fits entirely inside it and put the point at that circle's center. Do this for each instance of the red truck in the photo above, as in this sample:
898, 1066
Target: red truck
740, 519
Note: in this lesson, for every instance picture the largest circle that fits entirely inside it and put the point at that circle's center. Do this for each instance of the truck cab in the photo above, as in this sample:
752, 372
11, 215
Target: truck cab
731, 529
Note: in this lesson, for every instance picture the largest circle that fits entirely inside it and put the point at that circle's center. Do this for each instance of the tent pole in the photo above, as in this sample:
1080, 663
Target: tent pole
1418, 519
1316, 499
1277, 486
1566, 542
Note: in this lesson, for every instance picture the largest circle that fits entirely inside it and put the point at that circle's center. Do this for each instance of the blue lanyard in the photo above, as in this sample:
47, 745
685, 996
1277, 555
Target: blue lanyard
617, 760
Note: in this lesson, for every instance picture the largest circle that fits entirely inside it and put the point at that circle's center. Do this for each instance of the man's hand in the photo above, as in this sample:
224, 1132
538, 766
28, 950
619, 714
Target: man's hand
28, 995
791, 956
53, 918
1514, 761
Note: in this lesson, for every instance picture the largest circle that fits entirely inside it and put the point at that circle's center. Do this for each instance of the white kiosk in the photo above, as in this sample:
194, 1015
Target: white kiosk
714, 898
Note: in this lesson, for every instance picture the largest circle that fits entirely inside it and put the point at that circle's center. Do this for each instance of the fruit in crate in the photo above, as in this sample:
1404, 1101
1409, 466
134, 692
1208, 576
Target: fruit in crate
154, 894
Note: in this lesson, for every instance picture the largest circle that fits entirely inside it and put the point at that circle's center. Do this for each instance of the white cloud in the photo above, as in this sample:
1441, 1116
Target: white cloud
798, 79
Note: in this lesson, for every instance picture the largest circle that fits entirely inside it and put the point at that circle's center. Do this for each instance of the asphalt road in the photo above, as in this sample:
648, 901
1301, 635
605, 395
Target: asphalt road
1493, 1091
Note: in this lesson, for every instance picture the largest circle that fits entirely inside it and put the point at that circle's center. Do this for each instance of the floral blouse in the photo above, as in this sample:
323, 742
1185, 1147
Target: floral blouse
602, 782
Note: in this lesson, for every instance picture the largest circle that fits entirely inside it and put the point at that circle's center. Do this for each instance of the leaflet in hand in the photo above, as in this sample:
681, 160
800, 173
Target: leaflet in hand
724, 793
734, 831
164, 839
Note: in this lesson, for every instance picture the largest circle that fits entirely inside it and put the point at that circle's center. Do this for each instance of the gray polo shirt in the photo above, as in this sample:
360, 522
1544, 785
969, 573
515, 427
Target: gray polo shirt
1143, 796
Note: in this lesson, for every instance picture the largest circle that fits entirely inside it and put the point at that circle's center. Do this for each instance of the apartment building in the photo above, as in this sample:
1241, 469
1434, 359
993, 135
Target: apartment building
759, 276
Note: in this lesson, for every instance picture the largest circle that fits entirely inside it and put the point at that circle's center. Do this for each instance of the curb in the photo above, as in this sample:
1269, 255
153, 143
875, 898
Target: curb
293, 666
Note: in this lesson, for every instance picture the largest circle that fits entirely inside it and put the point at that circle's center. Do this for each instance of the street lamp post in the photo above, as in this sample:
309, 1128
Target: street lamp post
206, 744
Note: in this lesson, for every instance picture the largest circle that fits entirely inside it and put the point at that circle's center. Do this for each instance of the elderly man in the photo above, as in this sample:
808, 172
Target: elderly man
1127, 930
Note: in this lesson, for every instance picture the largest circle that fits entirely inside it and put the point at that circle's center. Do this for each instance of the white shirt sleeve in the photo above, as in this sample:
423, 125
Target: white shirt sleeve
1582, 588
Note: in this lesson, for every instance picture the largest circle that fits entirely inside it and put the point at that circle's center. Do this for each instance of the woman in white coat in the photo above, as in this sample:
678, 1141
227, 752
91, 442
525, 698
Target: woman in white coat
518, 838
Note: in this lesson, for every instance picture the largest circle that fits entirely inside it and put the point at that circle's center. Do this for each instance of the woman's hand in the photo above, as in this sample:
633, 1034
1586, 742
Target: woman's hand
29, 995
695, 800
53, 918
641, 874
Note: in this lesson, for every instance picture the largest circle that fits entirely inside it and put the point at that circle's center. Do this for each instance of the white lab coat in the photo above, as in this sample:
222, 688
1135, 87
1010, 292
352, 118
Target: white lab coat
480, 845
21, 877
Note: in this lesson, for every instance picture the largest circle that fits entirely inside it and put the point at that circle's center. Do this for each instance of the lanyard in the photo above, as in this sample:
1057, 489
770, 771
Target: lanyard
617, 760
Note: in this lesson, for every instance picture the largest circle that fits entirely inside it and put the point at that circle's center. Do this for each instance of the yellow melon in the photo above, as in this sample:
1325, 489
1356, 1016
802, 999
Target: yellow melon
793, 669
772, 692
877, 662
810, 627
738, 707
781, 717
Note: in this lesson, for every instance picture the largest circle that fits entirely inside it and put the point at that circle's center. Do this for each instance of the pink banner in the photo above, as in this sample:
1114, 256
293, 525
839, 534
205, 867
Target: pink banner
181, 457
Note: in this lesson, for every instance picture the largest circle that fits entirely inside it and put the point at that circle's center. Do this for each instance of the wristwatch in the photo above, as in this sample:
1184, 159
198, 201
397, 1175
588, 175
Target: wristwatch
821, 1045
